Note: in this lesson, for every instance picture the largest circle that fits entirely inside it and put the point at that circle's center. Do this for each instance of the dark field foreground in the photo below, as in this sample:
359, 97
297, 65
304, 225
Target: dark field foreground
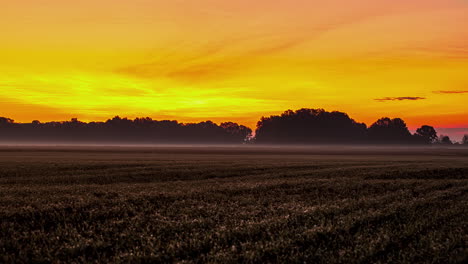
233, 204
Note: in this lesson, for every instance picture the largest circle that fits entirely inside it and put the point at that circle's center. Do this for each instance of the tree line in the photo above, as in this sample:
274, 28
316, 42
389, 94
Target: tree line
303, 126
317, 126
139, 130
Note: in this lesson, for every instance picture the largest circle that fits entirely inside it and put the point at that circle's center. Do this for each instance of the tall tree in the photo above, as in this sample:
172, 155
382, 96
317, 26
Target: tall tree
465, 140
445, 140
427, 133
310, 126
389, 131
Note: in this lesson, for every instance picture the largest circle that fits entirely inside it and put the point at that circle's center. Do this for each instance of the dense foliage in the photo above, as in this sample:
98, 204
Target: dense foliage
317, 126
310, 126
303, 126
139, 130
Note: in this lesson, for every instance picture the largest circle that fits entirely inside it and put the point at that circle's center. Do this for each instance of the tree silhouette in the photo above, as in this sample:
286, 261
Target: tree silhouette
444, 140
389, 131
465, 140
303, 126
6, 121
315, 126
427, 133
117, 129
238, 131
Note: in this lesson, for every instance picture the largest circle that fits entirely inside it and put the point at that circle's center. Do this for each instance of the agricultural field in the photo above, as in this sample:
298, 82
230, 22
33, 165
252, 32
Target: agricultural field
233, 204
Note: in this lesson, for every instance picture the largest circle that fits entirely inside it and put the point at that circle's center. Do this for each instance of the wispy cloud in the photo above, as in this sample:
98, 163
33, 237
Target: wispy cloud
451, 92
207, 63
403, 98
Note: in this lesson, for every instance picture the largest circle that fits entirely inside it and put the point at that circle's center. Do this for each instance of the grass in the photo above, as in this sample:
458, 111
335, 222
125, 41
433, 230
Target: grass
230, 205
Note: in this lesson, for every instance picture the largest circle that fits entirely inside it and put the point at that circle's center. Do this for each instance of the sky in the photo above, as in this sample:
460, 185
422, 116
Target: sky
237, 60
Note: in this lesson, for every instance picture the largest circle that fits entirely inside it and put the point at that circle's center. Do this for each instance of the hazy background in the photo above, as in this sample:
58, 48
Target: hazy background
235, 60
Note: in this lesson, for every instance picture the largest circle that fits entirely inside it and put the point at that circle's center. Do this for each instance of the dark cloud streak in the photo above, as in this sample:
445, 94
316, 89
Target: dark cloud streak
403, 98
451, 92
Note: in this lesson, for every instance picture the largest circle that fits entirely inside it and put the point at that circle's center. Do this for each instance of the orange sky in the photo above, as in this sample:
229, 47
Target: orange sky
234, 60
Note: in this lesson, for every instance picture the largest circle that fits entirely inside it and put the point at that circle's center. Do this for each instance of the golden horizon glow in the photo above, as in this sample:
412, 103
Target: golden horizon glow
234, 60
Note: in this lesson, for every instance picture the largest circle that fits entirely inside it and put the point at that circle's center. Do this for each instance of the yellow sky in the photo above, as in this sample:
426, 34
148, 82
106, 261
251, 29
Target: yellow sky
234, 60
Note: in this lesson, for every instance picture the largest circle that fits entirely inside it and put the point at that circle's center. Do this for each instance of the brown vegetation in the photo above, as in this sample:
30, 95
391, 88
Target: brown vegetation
229, 205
